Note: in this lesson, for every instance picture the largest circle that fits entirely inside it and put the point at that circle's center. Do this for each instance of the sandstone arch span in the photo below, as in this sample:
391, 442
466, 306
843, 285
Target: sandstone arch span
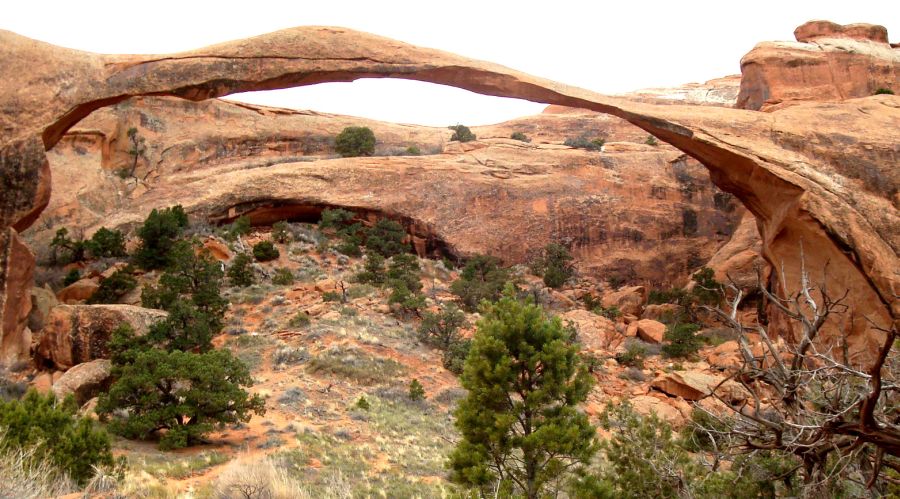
814, 173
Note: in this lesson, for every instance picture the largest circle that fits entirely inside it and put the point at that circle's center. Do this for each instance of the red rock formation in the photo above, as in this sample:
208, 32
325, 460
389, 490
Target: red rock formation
820, 174
80, 333
828, 62
16, 278
814, 30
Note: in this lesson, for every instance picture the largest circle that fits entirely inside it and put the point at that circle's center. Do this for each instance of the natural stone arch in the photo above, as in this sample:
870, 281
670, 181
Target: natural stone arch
766, 160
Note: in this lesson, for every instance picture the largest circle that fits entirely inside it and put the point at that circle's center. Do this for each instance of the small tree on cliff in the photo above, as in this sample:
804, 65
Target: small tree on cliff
520, 424
136, 151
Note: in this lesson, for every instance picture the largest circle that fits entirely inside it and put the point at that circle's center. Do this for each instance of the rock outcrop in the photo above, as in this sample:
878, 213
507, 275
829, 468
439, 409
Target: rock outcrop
79, 333
821, 174
828, 62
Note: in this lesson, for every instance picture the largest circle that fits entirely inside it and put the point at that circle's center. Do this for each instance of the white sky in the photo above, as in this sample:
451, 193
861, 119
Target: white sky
607, 47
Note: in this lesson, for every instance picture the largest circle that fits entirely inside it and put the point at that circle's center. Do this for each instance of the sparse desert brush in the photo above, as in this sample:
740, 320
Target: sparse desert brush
261, 478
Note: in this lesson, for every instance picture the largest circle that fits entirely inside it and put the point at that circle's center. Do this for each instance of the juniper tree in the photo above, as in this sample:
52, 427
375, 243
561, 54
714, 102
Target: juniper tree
520, 424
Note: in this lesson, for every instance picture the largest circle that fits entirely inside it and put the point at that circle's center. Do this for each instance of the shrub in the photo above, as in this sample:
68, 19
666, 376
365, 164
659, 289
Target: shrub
482, 278
639, 446
55, 432
651, 141
461, 133
107, 243
682, 340
300, 320
331, 296
240, 273
283, 277
158, 235
386, 238
265, 251
363, 404
187, 394
408, 300
281, 233
405, 267
554, 265
884, 91
660, 296
73, 250
373, 271
413, 151
114, 287
416, 391
454, 358
441, 329
584, 142
633, 356
72, 277
336, 219
520, 136
355, 141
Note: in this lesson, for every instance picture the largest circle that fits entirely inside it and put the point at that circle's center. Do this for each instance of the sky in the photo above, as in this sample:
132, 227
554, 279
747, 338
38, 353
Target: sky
608, 47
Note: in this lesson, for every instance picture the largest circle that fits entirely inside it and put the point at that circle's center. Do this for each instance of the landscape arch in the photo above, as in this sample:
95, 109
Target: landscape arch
758, 157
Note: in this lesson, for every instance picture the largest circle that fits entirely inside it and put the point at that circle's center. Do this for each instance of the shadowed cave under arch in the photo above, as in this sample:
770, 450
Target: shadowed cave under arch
424, 240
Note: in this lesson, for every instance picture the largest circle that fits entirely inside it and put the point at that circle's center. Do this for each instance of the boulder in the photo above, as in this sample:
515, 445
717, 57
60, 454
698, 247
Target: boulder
658, 311
694, 385
326, 285
629, 300
647, 404
42, 300
79, 291
75, 334
217, 249
595, 332
43, 382
85, 381
724, 356
649, 330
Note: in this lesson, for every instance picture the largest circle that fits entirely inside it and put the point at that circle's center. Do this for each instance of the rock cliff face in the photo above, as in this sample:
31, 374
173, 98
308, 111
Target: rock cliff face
828, 62
635, 211
823, 175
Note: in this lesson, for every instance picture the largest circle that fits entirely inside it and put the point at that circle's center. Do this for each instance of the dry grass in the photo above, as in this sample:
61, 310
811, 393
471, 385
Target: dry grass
24, 475
355, 365
269, 479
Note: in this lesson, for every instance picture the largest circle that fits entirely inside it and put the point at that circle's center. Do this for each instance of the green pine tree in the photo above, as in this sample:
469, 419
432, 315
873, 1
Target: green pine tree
520, 422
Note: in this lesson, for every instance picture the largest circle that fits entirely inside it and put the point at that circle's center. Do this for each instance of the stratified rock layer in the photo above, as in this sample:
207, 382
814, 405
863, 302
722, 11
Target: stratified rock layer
823, 175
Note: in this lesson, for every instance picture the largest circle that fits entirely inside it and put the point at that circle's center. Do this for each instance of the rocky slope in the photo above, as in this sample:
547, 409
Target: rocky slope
818, 174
